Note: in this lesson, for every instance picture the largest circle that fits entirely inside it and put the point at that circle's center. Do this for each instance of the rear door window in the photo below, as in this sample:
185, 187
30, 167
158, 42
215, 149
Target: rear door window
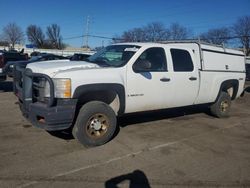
182, 61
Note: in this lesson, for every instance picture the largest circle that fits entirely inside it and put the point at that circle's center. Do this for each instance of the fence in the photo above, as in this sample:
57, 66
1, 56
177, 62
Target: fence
66, 52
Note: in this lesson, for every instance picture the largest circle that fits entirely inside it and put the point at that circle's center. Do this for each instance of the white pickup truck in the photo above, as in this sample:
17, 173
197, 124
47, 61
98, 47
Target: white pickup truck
87, 96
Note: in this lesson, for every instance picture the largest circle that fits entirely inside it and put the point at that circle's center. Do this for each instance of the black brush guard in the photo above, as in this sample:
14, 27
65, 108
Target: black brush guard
52, 114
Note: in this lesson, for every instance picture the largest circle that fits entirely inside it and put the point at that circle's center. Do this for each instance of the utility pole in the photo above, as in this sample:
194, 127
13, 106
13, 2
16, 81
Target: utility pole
86, 35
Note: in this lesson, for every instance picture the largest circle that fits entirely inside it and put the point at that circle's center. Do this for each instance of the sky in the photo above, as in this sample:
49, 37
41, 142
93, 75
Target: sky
112, 17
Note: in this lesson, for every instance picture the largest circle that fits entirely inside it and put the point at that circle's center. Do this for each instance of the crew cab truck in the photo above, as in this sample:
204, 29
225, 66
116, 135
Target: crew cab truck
126, 78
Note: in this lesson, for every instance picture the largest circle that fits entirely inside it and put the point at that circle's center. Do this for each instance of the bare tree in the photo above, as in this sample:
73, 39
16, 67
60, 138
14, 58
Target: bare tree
134, 35
152, 32
36, 35
156, 31
242, 29
54, 36
216, 36
3, 43
178, 32
13, 34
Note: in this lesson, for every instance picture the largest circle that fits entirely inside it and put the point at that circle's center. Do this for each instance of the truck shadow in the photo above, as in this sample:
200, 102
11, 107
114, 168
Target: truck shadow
143, 117
247, 89
64, 134
136, 179
6, 86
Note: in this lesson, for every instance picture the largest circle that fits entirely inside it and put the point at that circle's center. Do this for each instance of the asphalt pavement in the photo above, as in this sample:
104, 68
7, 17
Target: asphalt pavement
183, 147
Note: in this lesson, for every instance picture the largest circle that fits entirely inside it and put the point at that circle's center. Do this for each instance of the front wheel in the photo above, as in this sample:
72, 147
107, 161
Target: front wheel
95, 124
221, 107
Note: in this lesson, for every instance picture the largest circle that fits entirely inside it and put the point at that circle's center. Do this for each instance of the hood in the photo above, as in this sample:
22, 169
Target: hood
15, 62
50, 68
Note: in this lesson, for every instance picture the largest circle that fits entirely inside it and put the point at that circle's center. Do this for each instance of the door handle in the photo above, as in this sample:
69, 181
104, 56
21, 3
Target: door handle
192, 78
165, 79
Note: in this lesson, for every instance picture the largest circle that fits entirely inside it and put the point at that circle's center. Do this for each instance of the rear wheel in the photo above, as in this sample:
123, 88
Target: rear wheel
95, 124
221, 107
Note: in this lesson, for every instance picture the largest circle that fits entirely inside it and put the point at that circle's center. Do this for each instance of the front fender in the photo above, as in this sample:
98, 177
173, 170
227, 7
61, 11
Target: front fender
118, 88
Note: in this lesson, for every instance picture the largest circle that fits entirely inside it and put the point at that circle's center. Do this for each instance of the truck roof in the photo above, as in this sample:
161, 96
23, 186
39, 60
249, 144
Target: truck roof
188, 44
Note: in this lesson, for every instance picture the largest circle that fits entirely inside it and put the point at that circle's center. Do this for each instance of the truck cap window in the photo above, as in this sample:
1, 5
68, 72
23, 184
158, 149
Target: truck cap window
182, 61
114, 55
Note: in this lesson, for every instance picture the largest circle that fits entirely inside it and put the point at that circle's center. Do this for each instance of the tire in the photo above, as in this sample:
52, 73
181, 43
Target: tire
221, 107
95, 124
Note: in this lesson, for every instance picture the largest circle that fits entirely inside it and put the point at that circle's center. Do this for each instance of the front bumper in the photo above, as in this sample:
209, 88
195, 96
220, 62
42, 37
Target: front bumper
3, 77
55, 114
58, 117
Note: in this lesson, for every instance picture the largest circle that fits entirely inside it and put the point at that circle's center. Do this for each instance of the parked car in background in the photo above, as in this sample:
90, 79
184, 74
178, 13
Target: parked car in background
8, 68
35, 53
2, 76
6, 56
79, 57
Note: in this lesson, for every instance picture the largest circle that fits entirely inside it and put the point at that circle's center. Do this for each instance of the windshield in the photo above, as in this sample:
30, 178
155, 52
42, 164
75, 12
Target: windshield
115, 55
35, 58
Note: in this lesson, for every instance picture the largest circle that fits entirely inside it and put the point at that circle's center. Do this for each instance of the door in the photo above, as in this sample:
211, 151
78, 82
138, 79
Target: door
149, 86
185, 77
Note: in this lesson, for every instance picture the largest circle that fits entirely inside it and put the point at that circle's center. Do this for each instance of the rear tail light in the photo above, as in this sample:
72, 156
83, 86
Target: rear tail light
1, 61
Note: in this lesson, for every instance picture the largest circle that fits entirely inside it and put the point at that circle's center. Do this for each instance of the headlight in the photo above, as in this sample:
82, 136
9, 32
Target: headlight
62, 88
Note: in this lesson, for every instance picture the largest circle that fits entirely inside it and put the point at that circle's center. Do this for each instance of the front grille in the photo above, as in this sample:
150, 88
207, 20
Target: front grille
42, 89
32, 87
38, 89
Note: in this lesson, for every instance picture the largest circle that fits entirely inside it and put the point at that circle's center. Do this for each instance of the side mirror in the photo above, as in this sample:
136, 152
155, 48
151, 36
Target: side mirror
142, 66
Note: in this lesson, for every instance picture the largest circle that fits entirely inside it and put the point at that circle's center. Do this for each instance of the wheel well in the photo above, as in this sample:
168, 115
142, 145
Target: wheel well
231, 87
109, 97
110, 93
